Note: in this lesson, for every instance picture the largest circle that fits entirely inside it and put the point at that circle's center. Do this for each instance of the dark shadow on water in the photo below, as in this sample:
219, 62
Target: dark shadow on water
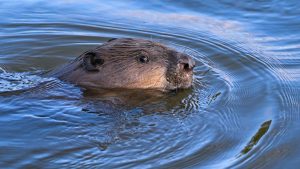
147, 99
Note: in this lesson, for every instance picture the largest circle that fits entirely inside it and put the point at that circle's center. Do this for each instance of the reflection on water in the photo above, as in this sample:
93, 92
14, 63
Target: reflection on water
242, 111
254, 140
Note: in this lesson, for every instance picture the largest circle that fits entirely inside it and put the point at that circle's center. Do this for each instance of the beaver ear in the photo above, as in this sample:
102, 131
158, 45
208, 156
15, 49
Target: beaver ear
92, 61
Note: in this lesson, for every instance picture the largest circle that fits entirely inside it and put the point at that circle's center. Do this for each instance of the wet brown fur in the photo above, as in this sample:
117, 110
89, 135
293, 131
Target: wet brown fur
121, 68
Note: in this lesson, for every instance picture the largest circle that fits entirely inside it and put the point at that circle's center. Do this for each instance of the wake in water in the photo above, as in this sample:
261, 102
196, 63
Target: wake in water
20, 81
1, 69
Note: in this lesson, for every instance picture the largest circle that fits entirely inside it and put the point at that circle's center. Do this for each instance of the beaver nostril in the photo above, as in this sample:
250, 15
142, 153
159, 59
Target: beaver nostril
186, 66
186, 63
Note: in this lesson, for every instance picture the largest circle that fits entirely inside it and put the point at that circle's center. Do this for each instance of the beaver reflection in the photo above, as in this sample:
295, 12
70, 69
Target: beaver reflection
131, 64
146, 99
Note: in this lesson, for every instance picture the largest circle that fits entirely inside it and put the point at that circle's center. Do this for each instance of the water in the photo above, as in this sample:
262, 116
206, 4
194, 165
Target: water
242, 112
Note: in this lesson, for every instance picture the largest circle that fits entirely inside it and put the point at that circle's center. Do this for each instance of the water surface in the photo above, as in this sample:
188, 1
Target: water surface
242, 112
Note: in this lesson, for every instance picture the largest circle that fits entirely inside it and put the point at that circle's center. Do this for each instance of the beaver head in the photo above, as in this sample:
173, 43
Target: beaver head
130, 63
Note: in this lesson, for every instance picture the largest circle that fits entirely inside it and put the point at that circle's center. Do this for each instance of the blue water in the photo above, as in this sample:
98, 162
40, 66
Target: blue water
242, 111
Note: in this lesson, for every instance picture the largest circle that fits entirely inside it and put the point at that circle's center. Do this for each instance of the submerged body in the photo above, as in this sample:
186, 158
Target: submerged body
129, 63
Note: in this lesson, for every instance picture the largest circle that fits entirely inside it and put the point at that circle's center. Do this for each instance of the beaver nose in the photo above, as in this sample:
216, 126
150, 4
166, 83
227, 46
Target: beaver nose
186, 63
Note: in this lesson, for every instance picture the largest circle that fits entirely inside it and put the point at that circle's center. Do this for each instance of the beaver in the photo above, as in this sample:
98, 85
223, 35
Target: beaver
129, 63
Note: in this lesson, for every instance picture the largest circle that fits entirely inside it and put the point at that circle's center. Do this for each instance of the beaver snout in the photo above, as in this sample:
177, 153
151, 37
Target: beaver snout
186, 63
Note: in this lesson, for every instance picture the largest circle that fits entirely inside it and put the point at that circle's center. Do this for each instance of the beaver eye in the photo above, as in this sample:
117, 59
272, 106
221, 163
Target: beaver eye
98, 61
143, 59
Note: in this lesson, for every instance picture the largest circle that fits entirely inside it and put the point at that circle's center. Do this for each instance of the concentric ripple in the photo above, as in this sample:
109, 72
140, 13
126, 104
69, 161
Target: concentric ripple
243, 107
